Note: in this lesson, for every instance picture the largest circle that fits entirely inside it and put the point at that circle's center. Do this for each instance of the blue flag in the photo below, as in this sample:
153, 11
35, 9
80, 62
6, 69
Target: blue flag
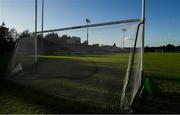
88, 20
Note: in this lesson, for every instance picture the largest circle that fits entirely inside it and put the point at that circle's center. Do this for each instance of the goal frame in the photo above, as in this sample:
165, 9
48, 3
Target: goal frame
141, 20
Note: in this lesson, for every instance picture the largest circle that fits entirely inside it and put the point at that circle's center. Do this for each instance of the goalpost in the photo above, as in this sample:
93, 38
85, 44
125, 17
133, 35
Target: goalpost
110, 75
104, 24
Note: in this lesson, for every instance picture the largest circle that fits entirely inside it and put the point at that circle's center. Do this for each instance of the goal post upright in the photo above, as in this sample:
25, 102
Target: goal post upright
35, 37
143, 35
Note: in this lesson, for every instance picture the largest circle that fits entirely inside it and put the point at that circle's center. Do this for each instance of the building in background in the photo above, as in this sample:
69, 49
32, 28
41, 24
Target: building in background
74, 40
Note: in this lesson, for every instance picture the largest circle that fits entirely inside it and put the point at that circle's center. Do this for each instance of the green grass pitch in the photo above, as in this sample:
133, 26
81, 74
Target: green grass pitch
34, 97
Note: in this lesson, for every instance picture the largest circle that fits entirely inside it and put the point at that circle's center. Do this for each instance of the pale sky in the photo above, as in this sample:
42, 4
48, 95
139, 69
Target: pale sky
162, 17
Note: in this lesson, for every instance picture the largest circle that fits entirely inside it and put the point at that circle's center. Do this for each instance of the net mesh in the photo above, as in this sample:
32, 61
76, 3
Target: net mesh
88, 70
133, 79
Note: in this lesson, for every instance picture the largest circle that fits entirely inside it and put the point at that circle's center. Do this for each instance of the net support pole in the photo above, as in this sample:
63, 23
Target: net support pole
143, 35
35, 38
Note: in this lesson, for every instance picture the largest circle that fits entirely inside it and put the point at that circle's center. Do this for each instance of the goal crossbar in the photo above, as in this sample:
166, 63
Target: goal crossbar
92, 25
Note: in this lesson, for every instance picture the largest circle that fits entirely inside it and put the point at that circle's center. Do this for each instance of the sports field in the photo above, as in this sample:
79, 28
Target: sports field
93, 79
165, 69
100, 70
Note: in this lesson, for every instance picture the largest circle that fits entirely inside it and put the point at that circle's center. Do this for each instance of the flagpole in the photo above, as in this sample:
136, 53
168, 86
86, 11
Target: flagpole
87, 34
88, 21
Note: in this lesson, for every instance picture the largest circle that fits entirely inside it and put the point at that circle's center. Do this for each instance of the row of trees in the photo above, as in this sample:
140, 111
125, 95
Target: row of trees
166, 48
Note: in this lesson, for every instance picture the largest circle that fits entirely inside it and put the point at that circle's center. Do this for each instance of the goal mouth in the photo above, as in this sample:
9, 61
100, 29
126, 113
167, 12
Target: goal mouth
98, 64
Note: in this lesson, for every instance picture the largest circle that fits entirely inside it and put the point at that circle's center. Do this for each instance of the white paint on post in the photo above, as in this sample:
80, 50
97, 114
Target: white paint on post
143, 35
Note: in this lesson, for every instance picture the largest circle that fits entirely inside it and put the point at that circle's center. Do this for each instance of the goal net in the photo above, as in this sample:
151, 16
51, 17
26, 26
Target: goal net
98, 65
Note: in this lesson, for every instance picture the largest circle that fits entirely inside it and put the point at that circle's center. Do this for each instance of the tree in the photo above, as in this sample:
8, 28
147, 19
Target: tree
114, 45
25, 34
7, 38
85, 42
52, 36
4, 32
170, 46
65, 37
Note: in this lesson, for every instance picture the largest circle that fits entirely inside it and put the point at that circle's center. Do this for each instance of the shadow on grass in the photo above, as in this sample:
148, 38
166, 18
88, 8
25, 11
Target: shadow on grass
45, 103
4, 60
167, 102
